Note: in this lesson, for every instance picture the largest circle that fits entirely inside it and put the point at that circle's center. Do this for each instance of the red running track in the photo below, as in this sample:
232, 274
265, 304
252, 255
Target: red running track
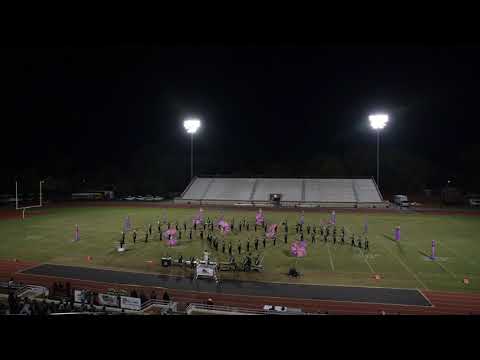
444, 303
11, 213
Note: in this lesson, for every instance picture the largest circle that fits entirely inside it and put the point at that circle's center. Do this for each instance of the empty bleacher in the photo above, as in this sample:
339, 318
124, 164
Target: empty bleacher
230, 189
367, 191
294, 192
197, 189
329, 190
291, 189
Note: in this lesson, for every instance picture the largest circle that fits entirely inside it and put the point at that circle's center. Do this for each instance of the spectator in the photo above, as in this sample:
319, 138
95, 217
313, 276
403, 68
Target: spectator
10, 283
153, 295
166, 297
26, 309
209, 301
133, 293
11, 302
143, 298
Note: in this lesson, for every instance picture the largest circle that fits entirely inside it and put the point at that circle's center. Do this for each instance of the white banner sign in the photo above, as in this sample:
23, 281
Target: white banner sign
205, 270
108, 300
132, 303
33, 291
80, 296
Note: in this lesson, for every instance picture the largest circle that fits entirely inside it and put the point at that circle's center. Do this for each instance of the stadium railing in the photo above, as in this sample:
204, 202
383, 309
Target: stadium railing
228, 310
188, 186
167, 305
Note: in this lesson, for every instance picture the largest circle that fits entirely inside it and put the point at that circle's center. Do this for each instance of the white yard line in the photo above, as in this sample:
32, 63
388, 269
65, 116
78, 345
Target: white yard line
370, 266
451, 273
366, 260
330, 256
404, 265
442, 243
445, 269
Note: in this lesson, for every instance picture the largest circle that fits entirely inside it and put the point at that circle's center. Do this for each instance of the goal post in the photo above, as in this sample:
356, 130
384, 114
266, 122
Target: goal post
23, 208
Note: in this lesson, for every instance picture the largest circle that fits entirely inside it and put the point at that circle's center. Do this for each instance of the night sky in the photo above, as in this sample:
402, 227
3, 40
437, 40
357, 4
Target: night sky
112, 113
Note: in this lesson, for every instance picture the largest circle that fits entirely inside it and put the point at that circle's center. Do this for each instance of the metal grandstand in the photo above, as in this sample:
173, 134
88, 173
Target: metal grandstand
288, 192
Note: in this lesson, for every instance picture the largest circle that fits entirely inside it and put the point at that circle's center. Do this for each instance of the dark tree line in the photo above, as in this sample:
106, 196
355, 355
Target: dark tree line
160, 171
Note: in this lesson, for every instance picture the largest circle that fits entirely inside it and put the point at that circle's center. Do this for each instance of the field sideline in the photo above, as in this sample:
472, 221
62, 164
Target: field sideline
47, 237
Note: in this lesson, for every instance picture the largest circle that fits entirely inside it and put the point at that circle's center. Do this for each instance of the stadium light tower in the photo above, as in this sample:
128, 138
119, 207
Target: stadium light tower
191, 125
378, 122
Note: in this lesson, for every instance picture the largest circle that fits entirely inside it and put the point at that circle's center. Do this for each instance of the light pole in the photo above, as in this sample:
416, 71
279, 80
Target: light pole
191, 125
378, 122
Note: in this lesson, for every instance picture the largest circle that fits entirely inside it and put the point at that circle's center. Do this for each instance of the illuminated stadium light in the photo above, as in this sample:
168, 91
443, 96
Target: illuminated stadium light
378, 121
191, 125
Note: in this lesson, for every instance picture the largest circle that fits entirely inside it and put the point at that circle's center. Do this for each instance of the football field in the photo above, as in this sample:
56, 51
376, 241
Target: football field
47, 237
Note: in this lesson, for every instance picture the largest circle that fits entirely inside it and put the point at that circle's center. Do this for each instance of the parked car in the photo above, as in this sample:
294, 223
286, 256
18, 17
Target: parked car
8, 199
401, 200
129, 198
473, 200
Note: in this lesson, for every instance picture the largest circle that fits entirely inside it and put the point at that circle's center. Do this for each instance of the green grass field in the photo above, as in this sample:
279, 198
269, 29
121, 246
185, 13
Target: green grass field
48, 238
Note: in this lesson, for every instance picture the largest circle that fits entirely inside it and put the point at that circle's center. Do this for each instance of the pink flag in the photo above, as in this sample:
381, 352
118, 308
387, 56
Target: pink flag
198, 219
224, 227
170, 236
259, 218
299, 249
272, 231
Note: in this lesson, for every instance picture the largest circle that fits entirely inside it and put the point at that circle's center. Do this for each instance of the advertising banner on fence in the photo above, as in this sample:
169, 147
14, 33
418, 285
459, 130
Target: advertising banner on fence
108, 300
33, 291
131, 303
80, 296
